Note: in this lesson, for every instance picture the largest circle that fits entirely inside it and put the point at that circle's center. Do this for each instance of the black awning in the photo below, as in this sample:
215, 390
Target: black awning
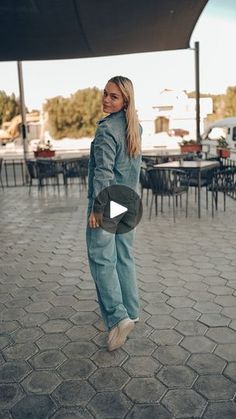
61, 29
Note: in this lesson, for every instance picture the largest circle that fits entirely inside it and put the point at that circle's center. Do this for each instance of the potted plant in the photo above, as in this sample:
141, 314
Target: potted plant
44, 150
190, 146
223, 148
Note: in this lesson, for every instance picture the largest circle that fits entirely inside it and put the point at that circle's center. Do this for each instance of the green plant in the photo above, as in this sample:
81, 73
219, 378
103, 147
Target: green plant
222, 143
188, 142
44, 146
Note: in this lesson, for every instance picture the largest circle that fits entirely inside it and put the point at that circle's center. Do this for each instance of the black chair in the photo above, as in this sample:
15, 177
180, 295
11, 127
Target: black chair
77, 168
1, 162
168, 183
47, 171
42, 171
144, 182
192, 181
224, 181
32, 171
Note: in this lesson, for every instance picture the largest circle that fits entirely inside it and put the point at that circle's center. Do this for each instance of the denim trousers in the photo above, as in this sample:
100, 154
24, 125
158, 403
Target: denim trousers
112, 267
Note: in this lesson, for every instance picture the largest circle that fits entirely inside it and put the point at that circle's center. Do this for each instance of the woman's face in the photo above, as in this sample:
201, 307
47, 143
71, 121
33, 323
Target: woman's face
113, 100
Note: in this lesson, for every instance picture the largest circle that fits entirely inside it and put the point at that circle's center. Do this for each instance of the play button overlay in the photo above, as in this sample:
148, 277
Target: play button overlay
116, 209
121, 208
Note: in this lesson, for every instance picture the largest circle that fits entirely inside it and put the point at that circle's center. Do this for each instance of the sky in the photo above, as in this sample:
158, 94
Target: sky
150, 72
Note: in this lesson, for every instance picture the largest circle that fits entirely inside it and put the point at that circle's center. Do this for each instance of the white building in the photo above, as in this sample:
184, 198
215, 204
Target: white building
175, 111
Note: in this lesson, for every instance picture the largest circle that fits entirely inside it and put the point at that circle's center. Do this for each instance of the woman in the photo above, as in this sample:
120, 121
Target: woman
114, 159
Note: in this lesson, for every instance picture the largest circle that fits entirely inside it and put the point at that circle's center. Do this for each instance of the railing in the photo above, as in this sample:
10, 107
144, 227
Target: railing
13, 173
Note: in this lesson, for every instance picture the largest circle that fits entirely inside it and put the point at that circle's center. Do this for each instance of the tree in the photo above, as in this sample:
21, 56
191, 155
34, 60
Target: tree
230, 101
9, 107
74, 117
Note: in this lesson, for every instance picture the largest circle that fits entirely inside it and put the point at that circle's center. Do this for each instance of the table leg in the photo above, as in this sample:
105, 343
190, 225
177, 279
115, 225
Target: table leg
199, 194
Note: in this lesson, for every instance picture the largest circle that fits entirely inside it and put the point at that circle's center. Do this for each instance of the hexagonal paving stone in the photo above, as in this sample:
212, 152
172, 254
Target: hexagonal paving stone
201, 296
222, 335
141, 366
73, 393
139, 347
82, 332
141, 330
110, 405
226, 300
9, 327
198, 344
9, 395
56, 326
39, 307
184, 403
48, 359
85, 305
158, 308
80, 368
149, 411
60, 312
171, 355
220, 410
162, 322
191, 328
207, 307
84, 317
20, 351
14, 371
177, 376
69, 413
145, 390
206, 363
180, 302
5, 340
185, 313
26, 335
64, 300
214, 320
176, 291
227, 351
37, 407
230, 370
109, 359
112, 378
52, 341
215, 387
166, 337
83, 349
33, 319
41, 382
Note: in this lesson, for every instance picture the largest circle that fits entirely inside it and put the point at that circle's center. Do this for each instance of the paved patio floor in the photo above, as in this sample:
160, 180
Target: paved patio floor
179, 362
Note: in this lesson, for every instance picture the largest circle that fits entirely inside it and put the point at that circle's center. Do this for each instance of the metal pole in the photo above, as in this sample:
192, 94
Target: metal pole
197, 88
22, 107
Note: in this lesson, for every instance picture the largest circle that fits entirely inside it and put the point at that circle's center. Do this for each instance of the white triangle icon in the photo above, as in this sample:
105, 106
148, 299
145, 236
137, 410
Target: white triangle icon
116, 209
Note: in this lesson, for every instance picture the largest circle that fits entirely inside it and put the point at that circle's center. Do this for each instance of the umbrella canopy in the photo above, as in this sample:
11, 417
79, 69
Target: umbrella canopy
43, 29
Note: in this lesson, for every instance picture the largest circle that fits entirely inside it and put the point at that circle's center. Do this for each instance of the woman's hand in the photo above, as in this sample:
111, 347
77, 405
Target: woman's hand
95, 219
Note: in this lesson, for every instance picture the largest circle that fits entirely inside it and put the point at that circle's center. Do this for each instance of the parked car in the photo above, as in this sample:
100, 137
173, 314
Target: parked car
223, 128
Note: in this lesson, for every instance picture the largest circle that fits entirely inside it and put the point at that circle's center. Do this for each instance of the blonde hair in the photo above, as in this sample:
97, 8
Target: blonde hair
133, 130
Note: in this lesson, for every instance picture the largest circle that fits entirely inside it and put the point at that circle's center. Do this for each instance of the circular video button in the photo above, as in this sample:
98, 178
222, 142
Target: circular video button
121, 208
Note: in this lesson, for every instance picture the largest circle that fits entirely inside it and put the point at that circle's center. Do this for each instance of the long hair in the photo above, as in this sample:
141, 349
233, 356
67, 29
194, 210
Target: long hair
133, 130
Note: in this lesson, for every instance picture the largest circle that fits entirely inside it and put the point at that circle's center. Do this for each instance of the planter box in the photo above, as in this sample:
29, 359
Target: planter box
191, 148
44, 153
223, 152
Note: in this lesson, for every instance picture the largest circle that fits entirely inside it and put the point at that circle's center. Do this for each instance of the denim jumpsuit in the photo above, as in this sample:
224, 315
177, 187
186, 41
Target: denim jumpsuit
110, 255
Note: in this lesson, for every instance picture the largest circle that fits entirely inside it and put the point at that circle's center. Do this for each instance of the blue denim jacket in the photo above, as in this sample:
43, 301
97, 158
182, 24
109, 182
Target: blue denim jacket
109, 162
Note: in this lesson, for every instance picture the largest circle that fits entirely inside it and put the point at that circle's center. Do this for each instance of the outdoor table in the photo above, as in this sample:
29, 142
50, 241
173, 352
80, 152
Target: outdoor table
194, 165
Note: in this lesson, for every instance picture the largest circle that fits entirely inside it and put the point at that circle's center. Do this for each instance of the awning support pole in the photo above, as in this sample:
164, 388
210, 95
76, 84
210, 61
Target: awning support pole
23, 114
197, 88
